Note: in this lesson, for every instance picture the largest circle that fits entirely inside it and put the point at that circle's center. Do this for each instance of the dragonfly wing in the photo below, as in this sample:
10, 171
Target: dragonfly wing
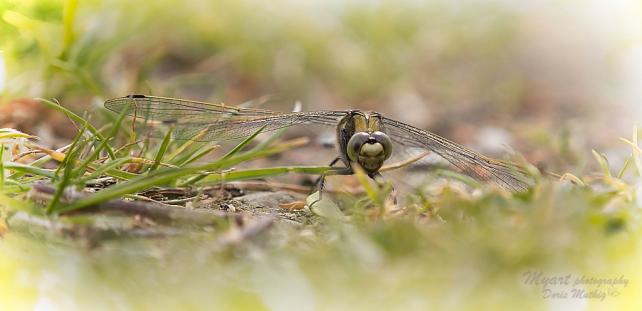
176, 110
192, 120
234, 128
505, 174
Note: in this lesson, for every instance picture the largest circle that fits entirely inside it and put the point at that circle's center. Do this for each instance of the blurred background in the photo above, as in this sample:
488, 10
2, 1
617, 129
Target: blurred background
548, 79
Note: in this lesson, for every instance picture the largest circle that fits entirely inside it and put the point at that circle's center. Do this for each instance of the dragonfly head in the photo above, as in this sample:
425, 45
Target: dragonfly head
362, 139
370, 150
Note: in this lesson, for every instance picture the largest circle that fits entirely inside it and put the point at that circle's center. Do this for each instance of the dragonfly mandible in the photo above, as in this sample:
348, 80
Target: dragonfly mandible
364, 138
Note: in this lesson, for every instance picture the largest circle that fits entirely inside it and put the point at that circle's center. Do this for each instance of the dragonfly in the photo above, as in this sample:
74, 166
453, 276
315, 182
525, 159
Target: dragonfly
363, 138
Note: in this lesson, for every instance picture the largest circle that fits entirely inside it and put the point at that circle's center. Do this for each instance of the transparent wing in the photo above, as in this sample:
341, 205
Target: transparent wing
192, 120
505, 174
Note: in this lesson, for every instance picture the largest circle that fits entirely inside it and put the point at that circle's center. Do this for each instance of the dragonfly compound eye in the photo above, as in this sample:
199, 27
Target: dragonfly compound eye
384, 140
355, 143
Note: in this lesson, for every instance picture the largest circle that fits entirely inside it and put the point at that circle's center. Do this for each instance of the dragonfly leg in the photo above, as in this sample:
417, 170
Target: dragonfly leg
320, 182
377, 177
321, 178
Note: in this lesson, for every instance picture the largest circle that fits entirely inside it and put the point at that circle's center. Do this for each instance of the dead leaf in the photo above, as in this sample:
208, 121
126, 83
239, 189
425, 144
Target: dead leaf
296, 205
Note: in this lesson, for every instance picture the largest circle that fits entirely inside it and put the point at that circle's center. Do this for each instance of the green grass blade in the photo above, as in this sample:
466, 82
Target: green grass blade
604, 165
174, 158
68, 164
73, 147
29, 169
165, 175
263, 173
9, 133
625, 166
251, 155
13, 187
111, 117
636, 151
103, 143
244, 157
78, 119
66, 178
244, 143
278, 133
371, 192
161, 151
190, 159
236, 149
105, 168
39, 162
116, 173
137, 184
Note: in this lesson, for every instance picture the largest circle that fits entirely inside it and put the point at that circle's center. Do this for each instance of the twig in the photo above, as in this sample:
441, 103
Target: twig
264, 186
155, 211
397, 165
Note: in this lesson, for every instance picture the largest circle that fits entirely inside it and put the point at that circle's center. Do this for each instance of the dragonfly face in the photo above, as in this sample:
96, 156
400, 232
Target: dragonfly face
361, 139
